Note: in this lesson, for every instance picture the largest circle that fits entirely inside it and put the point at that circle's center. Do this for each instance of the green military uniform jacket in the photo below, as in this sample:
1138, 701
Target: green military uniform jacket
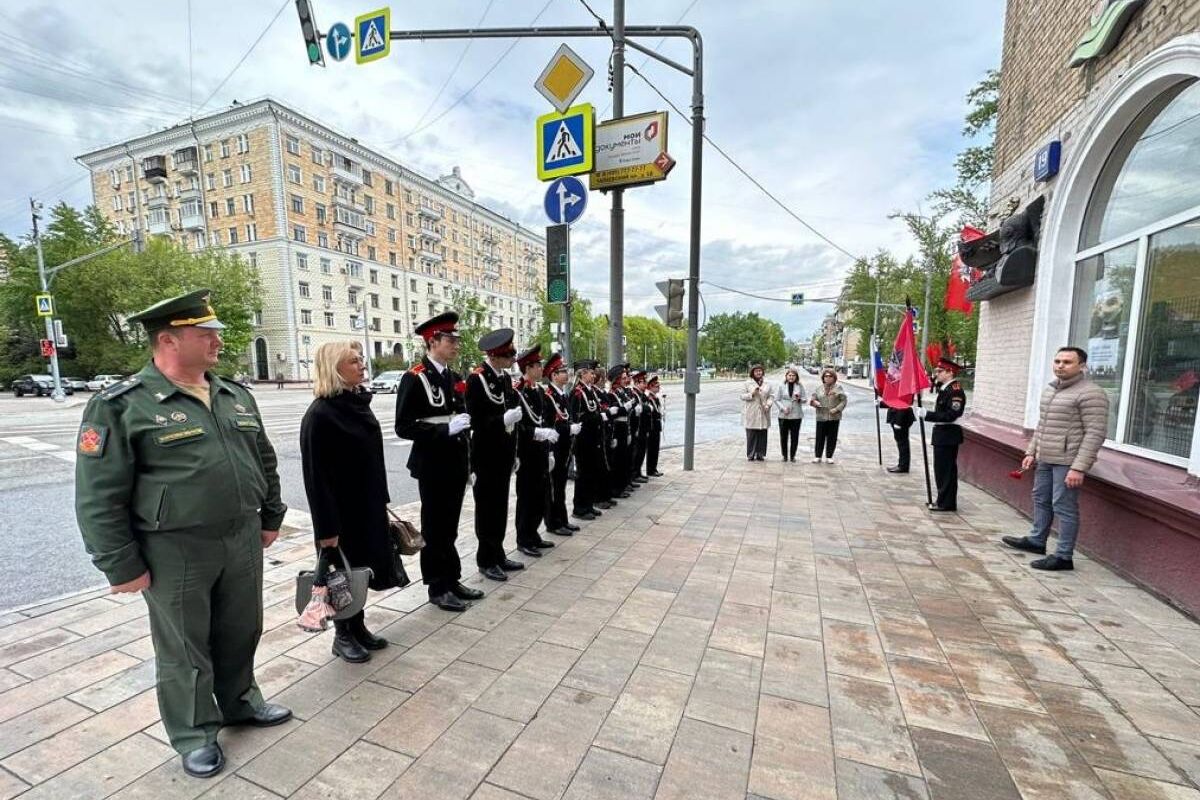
150, 458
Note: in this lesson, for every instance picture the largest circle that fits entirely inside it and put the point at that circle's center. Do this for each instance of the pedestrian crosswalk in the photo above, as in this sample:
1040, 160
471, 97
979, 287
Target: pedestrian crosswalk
38, 446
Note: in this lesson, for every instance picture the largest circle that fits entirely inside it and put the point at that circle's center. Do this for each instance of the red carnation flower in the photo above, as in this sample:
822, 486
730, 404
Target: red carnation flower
1016, 474
460, 387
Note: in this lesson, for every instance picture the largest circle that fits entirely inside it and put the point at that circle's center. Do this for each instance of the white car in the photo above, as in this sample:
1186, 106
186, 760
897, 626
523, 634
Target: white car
102, 382
388, 382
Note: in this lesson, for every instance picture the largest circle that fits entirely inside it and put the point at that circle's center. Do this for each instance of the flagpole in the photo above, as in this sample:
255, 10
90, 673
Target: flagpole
921, 420
874, 381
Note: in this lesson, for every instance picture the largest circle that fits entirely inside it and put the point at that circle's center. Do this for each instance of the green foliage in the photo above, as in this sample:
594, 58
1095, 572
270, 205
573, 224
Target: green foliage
471, 316
94, 298
735, 341
973, 166
382, 364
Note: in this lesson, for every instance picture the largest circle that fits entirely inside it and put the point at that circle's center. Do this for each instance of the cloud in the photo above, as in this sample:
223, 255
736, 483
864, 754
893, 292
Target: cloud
845, 111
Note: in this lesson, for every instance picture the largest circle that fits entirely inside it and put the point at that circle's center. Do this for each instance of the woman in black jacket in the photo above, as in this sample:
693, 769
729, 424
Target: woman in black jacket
345, 478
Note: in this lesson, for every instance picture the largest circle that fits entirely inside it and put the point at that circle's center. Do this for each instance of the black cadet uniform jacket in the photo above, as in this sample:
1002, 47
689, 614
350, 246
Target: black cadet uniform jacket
489, 395
538, 412
950, 404
426, 395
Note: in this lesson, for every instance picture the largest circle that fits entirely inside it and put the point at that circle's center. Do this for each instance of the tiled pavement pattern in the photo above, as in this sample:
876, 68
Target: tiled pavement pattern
743, 631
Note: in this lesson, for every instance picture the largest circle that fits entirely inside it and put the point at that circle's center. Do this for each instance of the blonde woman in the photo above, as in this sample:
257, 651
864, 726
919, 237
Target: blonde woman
345, 478
757, 397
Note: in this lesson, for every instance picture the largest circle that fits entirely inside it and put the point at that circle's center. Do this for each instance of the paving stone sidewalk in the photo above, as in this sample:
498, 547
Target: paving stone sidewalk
742, 631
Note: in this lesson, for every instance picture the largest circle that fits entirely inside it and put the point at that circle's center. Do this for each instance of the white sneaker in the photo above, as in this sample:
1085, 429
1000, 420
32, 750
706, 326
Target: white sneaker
829, 461
816, 461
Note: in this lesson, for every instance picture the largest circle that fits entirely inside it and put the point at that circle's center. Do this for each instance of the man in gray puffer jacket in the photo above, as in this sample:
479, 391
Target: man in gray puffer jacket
1072, 424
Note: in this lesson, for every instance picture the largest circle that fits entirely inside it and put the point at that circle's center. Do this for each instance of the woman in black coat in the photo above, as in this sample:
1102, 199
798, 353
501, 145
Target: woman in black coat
345, 478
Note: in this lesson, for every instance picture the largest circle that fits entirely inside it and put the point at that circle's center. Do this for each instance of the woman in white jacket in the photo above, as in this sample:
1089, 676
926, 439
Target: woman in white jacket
790, 402
757, 398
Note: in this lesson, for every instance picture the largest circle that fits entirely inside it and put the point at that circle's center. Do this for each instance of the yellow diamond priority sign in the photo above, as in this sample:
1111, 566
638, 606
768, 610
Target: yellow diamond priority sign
563, 78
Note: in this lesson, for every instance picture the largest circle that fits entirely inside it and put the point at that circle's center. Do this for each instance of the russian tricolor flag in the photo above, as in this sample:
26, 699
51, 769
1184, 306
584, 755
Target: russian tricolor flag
877, 367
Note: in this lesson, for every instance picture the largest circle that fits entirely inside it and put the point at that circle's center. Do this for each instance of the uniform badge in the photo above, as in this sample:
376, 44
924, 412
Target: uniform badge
91, 440
179, 416
160, 419
159, 396
238, 407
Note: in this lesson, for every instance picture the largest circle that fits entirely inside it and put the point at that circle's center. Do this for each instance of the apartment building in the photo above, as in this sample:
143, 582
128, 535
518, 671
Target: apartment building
344, 238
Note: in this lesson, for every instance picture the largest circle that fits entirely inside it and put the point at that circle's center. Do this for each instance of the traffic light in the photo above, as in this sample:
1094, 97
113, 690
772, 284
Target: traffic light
558, 264
672, 312
308, 26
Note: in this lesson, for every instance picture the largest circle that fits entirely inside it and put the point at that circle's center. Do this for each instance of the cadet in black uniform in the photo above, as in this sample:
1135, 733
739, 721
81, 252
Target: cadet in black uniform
494, 409
654, 439
618, 450
431, 412
590, 476
536, 437
947, 435
559, 402
605, 498
640, 431
901, 419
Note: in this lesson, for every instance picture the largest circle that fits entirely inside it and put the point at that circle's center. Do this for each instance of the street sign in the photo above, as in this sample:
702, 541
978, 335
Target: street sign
798, 298
566, 199
563, 78
374, 35
558, 264
47, 348
45, 305
339, 41
60, 338
564, 142
631, 151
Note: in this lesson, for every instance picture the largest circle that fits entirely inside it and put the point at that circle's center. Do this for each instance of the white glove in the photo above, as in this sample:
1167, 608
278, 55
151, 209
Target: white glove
576, 427
511, 416
459, 423
637, 410
920, 412
545, 435
627, 405
612, 412
612, 444
550, 461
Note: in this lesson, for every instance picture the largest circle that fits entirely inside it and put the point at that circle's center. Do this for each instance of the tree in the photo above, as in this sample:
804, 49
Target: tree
471, 315
589, 334
95, 298
968, 198
735, 341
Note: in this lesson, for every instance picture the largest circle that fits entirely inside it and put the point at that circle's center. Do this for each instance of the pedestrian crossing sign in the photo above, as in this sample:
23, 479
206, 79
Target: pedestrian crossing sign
564, 142
373, 35
45, 305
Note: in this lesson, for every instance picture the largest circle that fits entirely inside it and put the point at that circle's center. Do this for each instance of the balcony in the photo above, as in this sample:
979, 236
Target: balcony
346, 171
158, 223
488, 237
352, 224
429, 212
154, 169
430, 256
429, 234
348, 202
191, 217
492, 259
156, 201
190, 193
491, 273
185, 161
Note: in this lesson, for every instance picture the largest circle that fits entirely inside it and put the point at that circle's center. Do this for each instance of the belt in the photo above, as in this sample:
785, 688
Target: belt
444, 419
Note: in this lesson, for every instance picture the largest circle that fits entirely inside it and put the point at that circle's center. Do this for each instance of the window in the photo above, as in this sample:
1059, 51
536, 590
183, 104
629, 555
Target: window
233, 235
257, 317
318, 183
327, 294
224, 148
371, 253
207, 153
321, 213
352, 296
297, 204
210, 181
408, 218
216, 238
354, 268
247, 173
299, 234
395, 304
131, 201
243, 143
412, 285
302, 262
328, 319
391, 235
374, 300
251, 232
305, 316
293, 173
396, 325
248, 203
116, 202
229, 207
414, 306
1136, 308
395, 281
318, 157
391, 211
293, 144
412, 242
376, 326
374, 275
389, 188
369, 203
407, 196
326, 266
367, 177
392, 257
322, 239
227, 178
304, 291
198, 243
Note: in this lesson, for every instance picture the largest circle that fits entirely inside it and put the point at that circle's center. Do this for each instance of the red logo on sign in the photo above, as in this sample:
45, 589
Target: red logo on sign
651, 130
664, 162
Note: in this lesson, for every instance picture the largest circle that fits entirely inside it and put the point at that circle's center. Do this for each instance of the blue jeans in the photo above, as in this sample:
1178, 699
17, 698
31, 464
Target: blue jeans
1053, 498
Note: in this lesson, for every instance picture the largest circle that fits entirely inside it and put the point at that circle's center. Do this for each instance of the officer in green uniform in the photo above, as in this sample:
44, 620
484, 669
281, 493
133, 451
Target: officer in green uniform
176, 495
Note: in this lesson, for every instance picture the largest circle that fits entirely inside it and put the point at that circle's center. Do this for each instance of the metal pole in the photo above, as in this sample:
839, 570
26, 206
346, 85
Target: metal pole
566, 321
37, 239
691, 381
616, 268
925, 314
874, 384
366, 337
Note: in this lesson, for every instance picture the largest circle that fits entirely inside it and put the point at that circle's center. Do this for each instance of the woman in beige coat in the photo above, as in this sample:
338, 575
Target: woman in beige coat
757, 397
829, 401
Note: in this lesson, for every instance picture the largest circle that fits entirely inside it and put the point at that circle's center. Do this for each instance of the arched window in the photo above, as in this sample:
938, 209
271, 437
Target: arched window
1137, 281
262, 364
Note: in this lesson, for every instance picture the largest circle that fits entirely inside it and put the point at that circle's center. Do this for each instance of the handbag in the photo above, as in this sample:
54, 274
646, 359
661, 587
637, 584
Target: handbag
346, 586
404, 535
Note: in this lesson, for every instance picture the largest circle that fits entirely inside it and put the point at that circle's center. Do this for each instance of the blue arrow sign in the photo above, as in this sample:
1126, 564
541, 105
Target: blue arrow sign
338, 41
566, 198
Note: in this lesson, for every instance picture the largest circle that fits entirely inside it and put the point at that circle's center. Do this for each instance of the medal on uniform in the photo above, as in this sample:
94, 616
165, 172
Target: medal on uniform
179, 416
159, 419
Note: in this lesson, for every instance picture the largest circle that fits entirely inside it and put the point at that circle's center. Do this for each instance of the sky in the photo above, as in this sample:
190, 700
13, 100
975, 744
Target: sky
845, 111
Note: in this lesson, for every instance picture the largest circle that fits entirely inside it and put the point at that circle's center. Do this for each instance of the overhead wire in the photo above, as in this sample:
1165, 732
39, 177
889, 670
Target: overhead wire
245, 55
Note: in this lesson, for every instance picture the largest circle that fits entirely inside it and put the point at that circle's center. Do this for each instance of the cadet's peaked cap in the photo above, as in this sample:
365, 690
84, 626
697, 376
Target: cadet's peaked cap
949, 365
498, 343
617, 371
444, 323
554, 363
652, 379
638, 374
584, 363
530, 357
191, 309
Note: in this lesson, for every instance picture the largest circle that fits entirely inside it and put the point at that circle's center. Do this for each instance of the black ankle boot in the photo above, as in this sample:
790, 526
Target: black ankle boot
358, 625
345, 646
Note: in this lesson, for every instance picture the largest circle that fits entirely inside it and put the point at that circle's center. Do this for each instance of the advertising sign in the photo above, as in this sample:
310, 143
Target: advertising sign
631, 151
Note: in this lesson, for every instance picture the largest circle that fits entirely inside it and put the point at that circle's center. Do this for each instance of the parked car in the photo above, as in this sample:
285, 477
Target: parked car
37, 385
388, 382
77, 384
102, 382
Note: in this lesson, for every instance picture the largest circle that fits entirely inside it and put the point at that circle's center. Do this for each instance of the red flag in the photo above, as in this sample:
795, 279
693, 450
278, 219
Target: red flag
956, 287
933, 354
970, 234
905, 376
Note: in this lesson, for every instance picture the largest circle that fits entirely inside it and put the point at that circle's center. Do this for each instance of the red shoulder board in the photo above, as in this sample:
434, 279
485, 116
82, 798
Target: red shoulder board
418, 368
955, 386
579, 391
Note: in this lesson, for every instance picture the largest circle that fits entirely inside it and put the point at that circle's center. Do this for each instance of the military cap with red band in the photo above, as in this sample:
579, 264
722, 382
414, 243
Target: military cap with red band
554, 363
530, 357
445, 323
949, 366
498, 343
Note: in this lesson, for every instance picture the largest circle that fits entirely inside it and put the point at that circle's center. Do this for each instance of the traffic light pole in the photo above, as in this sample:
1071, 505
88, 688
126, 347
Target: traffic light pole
616, 250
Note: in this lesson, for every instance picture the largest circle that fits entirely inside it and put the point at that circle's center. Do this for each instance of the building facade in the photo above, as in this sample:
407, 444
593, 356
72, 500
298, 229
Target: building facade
344, 238
1114, 88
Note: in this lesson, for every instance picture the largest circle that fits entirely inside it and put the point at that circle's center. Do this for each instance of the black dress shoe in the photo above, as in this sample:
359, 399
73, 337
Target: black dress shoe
935, 507
494, 573
269, 715
204, 762
449, 602
606, 504
1052, 563
563, 531
896, 470
640, 479
623, 495
1024, 543
570, 527
532, 552
347, 648
358, 627
544, 545
587, 516
511, 566
465, 592
657, 474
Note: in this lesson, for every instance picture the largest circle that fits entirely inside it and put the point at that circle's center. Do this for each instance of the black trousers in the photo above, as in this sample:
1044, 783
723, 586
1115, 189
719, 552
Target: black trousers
602, 488
441, 506
826, 438
589, 472
491, 512
619, 460
640, 442
756, 443
789, 436
903, 453
945, 473
652, 445
532, 480
556, 487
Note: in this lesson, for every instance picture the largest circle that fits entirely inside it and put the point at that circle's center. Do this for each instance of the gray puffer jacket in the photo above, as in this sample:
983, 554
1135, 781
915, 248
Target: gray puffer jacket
1072, 423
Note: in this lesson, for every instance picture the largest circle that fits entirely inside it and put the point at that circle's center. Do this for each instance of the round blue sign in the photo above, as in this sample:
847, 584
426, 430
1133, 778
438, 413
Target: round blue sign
338, 42
566, 198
